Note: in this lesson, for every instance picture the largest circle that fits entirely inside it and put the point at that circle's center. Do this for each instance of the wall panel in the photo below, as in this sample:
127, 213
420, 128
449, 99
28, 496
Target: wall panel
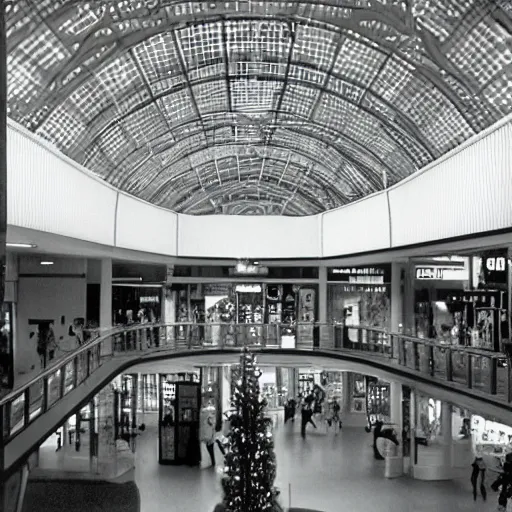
232, 236
357, 227
143, 227
48, 192
469, 192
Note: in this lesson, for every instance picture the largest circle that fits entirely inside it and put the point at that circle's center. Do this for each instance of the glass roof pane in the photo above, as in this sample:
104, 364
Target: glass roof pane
298, 107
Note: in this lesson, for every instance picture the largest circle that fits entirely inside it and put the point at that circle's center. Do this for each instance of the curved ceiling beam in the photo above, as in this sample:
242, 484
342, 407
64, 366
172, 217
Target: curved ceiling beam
236, 187
405, 126
367, 175
353, 142
91, 45
315, 179
366, 180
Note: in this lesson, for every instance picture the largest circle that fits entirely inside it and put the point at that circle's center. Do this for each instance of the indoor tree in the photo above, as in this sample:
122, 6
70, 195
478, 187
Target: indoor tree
250, 463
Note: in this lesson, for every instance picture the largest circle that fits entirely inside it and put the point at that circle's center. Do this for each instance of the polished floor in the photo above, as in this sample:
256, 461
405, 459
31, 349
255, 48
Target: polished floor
324, 472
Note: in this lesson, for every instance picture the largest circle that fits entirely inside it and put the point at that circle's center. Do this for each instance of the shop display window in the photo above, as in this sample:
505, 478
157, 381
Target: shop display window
491, 440
377, 400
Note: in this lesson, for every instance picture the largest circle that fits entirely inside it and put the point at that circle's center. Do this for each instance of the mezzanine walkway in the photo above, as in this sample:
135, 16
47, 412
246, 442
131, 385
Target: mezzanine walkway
475, 380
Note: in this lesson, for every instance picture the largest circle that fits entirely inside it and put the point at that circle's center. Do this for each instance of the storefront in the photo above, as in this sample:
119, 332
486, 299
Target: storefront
359, 296
217, 308
136, 303
463, 300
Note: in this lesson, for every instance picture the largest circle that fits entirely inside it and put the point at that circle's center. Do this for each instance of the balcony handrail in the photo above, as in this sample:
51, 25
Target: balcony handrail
107, 333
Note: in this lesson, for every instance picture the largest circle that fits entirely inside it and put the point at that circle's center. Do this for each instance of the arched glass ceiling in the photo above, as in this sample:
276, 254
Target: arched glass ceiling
258, 107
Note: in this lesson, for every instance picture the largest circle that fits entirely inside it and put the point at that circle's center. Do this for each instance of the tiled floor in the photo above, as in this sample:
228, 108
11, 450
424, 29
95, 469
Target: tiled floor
327, 473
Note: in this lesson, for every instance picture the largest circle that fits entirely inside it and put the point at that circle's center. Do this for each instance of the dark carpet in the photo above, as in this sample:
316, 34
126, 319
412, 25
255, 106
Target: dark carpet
80, 496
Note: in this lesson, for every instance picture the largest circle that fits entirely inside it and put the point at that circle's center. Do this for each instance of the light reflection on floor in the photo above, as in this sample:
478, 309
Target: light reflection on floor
326, 472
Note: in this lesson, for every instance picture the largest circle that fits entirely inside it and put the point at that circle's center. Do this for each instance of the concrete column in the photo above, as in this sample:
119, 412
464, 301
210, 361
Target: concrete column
106, 302
446, 433
225, 388
106, 294
408, 299
396, 405
322, 295
398, 270
395, 462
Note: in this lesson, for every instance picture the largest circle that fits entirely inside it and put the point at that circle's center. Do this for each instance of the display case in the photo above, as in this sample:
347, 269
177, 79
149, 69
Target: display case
377, 400
180, 396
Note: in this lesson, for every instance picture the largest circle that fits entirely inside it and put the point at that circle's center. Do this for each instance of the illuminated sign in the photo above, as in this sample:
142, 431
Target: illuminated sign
442, 273
243, 268
377, 275
145, 300
248, 288
498, 264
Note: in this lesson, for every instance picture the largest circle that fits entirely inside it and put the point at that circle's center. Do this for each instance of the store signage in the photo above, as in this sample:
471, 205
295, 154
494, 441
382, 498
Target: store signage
248, 288
364, 288
217, 289
494, 269
494, 264
361, 275
145, 300
480, 298
442, 273
243, 268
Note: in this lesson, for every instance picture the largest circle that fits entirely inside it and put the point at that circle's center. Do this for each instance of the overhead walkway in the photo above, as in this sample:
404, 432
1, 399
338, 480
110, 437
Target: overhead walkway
473, 379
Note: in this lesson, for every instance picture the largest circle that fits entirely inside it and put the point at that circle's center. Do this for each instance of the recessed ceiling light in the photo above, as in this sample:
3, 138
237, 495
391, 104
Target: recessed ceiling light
46, 262
21, 245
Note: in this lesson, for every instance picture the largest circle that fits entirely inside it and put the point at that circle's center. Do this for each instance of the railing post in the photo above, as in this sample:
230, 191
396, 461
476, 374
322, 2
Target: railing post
26, 407
88, 366
493, 374
431, 362
401, 351
469, 371
449, 364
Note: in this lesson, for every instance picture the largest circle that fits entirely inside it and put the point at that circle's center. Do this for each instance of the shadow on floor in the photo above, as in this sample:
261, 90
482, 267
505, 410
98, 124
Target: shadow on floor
81, 496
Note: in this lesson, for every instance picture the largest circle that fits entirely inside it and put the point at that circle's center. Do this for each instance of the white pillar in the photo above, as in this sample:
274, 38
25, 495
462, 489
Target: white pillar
398, 270
395, 463
408, 299
447, 436
225, 387
322, 295
106, 301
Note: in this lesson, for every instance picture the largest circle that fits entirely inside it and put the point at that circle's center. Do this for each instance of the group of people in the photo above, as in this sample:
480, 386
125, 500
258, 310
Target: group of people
502, 484
311, 405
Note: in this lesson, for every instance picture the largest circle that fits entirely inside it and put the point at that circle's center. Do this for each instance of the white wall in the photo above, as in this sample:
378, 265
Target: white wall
44, 293
466, 192
141, 226
357, 227
232, 236
48, 192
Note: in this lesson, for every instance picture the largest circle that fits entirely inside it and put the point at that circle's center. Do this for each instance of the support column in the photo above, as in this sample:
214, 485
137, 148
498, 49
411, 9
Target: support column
395, 463
408, 299
106, 302
447, 436
435, 461
398, 270
326, 334
225, 388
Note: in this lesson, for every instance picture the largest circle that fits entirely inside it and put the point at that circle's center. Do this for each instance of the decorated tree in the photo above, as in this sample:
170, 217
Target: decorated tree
250, 469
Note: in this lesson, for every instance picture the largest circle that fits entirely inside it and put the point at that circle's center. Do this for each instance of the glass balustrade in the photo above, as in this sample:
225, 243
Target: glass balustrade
469, 369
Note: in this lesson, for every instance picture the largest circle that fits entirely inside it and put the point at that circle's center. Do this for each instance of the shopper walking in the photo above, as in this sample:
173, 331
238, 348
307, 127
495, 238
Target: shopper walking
306, 417
479, 468
504, 484
290, 410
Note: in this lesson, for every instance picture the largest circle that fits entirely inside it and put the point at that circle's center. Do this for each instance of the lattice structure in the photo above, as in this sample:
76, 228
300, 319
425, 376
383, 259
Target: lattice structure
257, 107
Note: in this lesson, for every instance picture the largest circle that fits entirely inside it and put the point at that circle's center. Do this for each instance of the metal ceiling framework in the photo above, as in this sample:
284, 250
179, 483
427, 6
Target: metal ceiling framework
257, 107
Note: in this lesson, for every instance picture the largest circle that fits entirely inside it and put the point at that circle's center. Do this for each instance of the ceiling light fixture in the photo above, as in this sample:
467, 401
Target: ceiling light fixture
21, 245
46, 262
